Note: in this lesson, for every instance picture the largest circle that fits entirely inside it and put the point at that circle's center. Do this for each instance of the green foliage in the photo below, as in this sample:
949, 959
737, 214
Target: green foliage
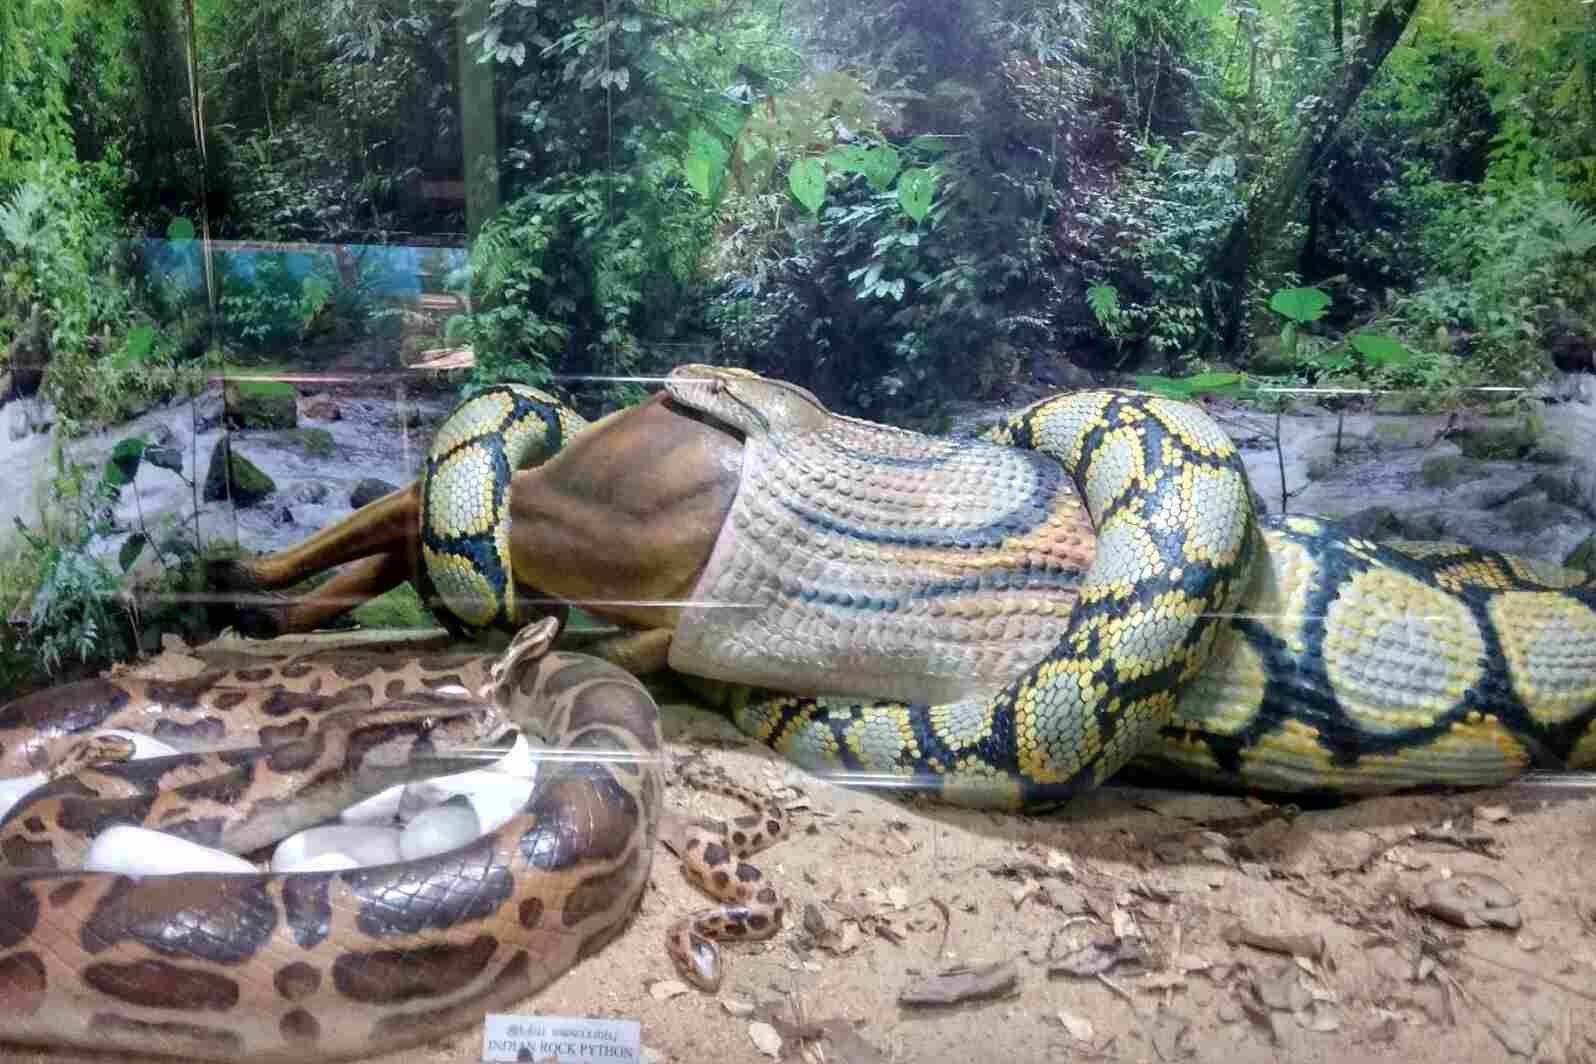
1149, 238
1199, 385
1506, 265
59, 255
82, 609
399, 608
35, 42
77, 610
1300, 305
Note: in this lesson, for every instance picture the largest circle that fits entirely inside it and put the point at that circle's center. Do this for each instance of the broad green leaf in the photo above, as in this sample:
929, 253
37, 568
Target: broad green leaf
123, 465
137, 346
1300, 304
932, 144
314, 291
1216, 383
880, 166
726, 116
706, 163
1382, 350
1104, 301
1173, 387
915, 189
180, 230
132, 547
807, 179
849, 158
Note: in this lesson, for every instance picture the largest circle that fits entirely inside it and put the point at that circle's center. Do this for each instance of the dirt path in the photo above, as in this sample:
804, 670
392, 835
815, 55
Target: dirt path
1151, 880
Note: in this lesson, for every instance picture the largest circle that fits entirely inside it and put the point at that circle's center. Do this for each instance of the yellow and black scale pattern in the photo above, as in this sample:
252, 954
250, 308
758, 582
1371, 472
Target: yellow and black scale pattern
1176, 537
1359, 667
1333, 663
465, 499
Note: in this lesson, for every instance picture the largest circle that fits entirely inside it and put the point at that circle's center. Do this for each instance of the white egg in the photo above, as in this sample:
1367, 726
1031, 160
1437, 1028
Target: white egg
141, 852
439, 829
360, 844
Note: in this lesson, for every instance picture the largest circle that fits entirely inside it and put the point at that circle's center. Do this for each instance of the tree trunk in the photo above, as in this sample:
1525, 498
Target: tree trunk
1337, 36
1272, 204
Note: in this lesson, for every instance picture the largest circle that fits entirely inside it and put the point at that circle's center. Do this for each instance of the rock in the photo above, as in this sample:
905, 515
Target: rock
29, 354
369, 490
285, 516
27, 416
1583, 556
406, 418
1512, 442
209, 411
1444, 470
320, 407
1383, 523
16, 418
1534, 512
232, 473
1571, 345
311, 491
314, 442
261, 405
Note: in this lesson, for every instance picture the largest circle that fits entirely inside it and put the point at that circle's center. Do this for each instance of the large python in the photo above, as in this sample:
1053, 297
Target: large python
927, 613
331, 965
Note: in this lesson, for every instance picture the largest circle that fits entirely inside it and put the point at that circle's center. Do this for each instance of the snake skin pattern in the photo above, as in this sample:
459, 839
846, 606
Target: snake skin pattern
1175, 541
895, 601
334, 965
465, 487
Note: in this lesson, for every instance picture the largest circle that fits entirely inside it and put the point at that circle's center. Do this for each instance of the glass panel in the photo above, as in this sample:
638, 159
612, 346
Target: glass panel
1106, 485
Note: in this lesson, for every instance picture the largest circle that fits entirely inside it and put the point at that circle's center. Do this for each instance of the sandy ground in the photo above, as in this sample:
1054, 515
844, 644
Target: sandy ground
1140, 925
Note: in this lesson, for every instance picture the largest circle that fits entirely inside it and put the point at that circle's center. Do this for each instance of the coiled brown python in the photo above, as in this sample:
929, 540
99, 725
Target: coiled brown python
330, 965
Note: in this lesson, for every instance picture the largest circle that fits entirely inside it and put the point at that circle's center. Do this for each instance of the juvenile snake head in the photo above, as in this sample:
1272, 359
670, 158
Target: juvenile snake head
526, 649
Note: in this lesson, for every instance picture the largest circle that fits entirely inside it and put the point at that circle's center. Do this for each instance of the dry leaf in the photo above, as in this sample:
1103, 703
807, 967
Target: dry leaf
1124, 924
1281, 989
1168, 1030
1469, 900
1319, 1018
666, 989
962, 984
1162, 981
1311, 946
1023, 891
737, 1007
1516, 1038
844, 939
1079, 1027
1492, 814
765, 1038
898, 897
1096, 957
1060, 862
